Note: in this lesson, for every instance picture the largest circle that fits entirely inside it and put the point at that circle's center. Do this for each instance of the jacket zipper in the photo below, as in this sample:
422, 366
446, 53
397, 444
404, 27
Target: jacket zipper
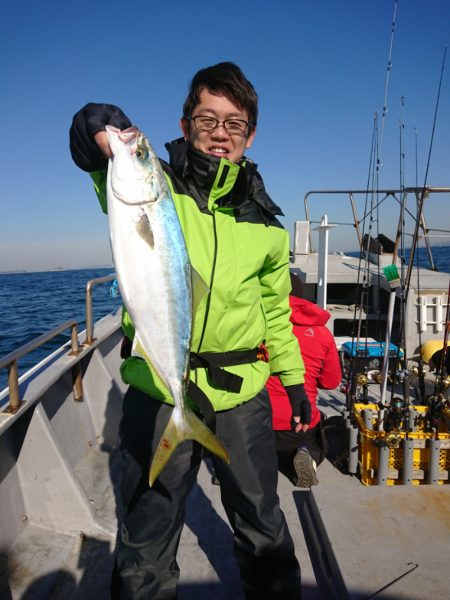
208, 302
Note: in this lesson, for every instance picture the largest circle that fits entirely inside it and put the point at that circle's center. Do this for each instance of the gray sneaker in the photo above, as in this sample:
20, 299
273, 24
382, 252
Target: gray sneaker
305, 469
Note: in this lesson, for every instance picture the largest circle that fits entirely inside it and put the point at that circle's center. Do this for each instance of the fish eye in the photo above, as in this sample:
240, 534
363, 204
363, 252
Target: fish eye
141, 153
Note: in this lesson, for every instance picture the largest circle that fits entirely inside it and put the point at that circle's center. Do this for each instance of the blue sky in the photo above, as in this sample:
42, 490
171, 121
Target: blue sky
319, 68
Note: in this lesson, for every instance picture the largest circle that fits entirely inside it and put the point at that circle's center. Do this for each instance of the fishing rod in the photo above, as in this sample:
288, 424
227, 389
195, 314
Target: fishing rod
398, 414
420, 390
390, 274
361, 295
415, 145
446, 333
437, 401
389, 67
424, 190
360, 378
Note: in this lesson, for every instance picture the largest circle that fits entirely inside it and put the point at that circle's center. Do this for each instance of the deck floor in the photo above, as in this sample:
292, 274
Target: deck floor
45, 564
374, 534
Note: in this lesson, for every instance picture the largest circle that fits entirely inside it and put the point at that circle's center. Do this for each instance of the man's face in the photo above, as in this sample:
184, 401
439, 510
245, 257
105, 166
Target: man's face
217, 142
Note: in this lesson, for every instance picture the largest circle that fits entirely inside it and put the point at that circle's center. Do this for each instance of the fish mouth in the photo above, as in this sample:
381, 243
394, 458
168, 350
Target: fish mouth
129, 134
124, 134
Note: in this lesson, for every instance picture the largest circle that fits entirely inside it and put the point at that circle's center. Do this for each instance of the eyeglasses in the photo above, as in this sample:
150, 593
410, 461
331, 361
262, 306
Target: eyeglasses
232, 126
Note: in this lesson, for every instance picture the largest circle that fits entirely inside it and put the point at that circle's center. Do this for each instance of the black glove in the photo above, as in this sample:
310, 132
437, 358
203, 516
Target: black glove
91, 119
301, 407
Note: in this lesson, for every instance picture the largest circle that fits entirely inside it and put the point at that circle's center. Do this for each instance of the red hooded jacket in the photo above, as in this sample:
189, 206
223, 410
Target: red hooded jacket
323, 369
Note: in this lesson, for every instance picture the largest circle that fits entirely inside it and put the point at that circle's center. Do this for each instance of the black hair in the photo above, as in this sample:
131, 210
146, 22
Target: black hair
225, 79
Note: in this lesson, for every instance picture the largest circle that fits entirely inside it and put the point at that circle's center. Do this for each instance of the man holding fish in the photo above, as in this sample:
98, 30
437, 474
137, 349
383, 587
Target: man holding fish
202, 264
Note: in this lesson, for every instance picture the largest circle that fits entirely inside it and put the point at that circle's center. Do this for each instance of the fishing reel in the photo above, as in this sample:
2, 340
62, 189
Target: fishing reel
443, 383
356, 386
415, 375
436, 404
362, 379
396, 415
392, 440
398, 376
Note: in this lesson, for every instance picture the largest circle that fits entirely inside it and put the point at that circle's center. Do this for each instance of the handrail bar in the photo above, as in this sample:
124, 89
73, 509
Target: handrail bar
425, 191
10, 360
387, 192
89, 320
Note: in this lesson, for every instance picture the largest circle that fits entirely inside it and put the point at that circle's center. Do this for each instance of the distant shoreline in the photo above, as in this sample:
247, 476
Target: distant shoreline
53, 270
63, 269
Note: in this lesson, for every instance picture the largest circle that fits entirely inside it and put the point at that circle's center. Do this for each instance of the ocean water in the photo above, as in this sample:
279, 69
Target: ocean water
33, 303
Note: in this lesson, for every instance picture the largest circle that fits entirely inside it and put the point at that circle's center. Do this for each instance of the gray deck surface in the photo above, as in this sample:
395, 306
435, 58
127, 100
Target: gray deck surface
44, 564
206, 553
379, 533
374, 533
361, 542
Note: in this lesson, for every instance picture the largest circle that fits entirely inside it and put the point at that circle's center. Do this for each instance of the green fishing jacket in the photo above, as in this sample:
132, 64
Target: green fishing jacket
241, 251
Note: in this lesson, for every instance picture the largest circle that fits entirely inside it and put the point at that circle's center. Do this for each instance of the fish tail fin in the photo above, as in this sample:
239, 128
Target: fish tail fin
198, 431
191, 429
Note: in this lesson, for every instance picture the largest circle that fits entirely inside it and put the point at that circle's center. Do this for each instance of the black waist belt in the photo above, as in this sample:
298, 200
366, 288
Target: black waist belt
214, 362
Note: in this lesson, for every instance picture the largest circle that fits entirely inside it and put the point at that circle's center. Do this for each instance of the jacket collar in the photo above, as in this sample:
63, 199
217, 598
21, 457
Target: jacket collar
189, 163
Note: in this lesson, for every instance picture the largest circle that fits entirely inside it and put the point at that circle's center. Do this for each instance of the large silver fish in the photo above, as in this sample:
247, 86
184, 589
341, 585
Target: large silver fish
155, 280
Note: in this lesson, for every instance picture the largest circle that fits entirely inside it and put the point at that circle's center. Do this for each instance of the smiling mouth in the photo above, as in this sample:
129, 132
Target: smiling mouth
217, 150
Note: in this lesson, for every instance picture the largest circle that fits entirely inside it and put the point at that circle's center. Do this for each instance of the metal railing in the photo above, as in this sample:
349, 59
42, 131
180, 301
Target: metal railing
400, 196
382, 195
10, 361
89, 320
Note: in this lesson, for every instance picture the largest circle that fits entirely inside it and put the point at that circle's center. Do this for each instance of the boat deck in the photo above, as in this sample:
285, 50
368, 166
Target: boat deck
59, 476
47, 564
344, 269
361, 542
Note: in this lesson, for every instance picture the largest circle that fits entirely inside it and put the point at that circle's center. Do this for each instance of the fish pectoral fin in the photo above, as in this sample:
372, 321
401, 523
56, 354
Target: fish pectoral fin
192, 429
199, 289
138, 349
144, 229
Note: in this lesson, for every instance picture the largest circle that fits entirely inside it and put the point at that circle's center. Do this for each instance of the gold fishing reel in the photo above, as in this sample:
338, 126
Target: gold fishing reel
392, 440
377, 376
362, 379
443, 382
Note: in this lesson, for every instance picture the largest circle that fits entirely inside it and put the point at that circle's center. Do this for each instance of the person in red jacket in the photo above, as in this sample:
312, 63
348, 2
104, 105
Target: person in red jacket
300, 451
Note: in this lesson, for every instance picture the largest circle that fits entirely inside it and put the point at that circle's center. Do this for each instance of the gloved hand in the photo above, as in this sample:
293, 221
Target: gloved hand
301, 407
87, 122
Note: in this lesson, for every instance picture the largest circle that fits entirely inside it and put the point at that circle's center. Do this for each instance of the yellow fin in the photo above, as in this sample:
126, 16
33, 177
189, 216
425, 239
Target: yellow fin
199, 289
193, 429
138, 349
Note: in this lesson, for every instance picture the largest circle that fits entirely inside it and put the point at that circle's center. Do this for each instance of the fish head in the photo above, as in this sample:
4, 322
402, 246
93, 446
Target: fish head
134, 172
